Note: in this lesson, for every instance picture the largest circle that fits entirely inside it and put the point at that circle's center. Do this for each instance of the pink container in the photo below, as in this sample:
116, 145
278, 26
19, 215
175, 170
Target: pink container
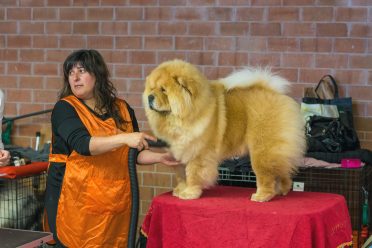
351, 163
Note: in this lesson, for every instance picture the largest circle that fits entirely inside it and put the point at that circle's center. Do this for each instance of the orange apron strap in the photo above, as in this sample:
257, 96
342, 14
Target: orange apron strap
59, 158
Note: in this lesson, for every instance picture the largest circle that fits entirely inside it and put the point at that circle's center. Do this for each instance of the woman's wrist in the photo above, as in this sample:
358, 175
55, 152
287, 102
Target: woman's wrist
146, 157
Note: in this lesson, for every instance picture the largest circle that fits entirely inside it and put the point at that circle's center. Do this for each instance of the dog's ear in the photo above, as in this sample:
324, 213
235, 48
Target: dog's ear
181, 103
184, 83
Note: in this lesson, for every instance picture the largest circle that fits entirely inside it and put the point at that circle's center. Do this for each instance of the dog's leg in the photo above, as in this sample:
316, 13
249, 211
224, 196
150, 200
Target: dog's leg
265, 179
180, 179
284, 185
200, 173
193, 189
265, 188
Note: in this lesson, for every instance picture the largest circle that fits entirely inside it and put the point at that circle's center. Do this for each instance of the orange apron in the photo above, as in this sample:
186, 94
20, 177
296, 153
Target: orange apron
95, 201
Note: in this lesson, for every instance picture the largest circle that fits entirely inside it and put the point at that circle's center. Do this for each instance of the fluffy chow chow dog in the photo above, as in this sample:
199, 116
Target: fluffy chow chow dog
205, 122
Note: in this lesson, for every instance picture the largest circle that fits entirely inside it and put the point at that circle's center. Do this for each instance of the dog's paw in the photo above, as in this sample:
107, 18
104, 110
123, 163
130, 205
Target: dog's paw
175, 192
190, 193
285, 192
280, 191
283, 187
179, 188
261, 197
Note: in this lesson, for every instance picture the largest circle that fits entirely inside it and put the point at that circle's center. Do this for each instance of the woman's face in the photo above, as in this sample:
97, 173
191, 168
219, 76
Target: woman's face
81, 82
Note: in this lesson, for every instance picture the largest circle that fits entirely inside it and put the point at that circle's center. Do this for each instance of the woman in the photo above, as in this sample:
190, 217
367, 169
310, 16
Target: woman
88, 190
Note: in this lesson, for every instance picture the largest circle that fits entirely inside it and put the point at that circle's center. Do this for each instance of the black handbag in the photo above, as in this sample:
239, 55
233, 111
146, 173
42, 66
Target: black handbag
326, 134
341, 105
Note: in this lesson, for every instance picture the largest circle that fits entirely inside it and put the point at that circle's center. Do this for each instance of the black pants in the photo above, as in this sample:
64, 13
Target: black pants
52, 193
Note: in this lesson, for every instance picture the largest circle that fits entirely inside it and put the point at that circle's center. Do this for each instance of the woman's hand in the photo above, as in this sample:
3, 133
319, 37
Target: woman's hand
138, 140
151, 157
4, 157
168, 159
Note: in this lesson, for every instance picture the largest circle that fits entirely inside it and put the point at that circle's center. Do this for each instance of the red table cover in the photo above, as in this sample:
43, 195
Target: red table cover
34, 168
225, 217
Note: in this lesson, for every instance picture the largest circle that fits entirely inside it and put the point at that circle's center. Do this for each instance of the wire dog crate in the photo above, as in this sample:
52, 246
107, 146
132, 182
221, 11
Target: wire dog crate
236, 172
228, 177
22, 202
346, 182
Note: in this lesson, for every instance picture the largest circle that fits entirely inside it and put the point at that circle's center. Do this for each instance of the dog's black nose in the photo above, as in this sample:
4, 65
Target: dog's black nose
150, 98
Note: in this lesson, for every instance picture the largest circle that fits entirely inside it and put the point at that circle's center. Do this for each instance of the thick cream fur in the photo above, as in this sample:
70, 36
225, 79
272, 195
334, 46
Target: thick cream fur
205, 122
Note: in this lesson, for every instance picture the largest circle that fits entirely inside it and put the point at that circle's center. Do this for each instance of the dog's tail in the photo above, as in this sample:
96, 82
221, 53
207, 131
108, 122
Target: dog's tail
252, 76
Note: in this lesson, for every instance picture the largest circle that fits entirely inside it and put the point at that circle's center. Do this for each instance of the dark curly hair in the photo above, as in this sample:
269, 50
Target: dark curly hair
104, 90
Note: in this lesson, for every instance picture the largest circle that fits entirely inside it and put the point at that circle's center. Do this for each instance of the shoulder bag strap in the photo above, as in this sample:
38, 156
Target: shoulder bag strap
333, 81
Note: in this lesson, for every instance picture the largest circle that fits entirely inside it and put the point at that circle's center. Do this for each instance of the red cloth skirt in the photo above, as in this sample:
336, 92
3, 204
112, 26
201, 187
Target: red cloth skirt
226, 217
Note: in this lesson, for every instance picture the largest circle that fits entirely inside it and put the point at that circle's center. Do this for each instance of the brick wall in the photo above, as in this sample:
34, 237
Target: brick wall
302, 39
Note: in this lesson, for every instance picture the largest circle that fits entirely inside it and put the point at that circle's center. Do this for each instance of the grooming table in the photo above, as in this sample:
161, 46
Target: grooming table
226, 217
16, 238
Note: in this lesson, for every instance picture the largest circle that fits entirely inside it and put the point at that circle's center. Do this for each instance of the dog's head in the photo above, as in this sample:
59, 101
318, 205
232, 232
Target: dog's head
173, 88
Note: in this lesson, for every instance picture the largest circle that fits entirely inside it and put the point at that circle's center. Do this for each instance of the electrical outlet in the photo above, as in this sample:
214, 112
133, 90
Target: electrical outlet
298, 186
